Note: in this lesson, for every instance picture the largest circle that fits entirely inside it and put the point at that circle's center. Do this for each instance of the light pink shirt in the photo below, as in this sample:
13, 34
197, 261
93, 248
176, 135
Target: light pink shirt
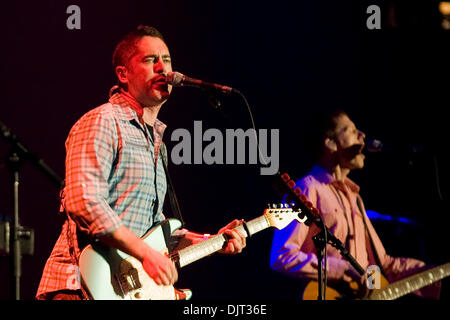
293, 251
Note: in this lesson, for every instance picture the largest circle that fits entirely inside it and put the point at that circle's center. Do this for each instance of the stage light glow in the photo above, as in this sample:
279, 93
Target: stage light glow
444, 7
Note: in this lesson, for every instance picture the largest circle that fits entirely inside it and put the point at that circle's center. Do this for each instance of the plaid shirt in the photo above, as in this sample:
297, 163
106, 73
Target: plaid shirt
114, 177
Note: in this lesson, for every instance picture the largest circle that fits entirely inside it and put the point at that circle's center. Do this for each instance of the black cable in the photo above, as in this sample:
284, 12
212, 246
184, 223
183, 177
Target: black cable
438, 184
262, 158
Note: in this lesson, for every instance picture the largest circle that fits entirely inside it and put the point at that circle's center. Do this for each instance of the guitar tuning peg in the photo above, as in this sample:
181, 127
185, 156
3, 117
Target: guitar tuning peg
274, 206
268, 206
285, 177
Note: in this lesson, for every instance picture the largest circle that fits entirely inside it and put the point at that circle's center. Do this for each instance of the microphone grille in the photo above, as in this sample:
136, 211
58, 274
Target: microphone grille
374, 145
174, 78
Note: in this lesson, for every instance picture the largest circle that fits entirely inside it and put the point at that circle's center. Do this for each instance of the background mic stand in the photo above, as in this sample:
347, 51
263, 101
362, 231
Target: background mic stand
284, 184
22, 238
320, 243
24, 153
14, 162
335, 242
320, 240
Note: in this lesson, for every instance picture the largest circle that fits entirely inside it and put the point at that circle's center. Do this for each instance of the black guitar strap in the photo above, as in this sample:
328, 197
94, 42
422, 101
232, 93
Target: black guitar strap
165, 226
172, 196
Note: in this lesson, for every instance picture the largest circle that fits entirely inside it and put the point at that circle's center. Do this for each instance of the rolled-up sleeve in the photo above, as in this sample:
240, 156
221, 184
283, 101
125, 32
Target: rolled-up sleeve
91, 150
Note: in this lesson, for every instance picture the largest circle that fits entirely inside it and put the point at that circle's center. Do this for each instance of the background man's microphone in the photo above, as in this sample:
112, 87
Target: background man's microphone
375, 145
180, 80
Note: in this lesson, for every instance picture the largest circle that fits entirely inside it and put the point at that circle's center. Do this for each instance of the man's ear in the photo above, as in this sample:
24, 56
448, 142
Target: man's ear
122, 74
330, 144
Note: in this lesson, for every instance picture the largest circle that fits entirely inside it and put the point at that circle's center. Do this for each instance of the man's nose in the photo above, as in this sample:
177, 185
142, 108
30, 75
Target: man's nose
160, 67
361, 135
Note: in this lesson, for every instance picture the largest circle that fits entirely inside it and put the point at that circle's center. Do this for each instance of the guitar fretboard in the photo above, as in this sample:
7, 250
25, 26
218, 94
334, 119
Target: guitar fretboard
202, 249
410, 284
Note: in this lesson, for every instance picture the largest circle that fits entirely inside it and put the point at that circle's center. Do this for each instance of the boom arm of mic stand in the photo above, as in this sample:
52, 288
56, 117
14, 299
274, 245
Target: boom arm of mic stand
335, 242
38, 162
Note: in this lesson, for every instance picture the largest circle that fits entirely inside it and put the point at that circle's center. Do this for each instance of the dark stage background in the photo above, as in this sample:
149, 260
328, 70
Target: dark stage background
288, 60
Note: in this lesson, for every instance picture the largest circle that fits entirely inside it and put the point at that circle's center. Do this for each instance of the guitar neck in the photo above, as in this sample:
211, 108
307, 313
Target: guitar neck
410, 284
204, 248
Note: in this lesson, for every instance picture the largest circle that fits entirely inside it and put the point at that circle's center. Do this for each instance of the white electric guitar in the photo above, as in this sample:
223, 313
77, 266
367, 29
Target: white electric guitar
110, 274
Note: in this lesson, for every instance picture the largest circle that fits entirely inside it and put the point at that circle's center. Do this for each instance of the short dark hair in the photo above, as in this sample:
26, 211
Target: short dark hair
322, 126
126, 47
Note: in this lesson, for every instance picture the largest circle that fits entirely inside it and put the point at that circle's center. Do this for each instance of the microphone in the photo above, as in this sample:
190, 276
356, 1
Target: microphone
375, 145
177, 79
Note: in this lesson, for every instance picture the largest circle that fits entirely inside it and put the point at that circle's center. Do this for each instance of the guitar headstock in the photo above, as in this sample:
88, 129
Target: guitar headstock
286, 186
280, 216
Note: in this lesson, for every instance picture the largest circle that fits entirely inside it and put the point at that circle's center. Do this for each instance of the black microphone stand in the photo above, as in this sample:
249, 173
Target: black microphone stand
19, 233
320, 243
284, 185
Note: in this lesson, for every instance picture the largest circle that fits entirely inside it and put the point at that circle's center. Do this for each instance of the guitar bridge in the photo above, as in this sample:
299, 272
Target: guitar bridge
128, 280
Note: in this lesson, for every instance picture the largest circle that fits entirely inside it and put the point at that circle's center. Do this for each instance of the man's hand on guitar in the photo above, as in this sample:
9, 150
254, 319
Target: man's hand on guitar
358, 283
236, 241
160, 268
